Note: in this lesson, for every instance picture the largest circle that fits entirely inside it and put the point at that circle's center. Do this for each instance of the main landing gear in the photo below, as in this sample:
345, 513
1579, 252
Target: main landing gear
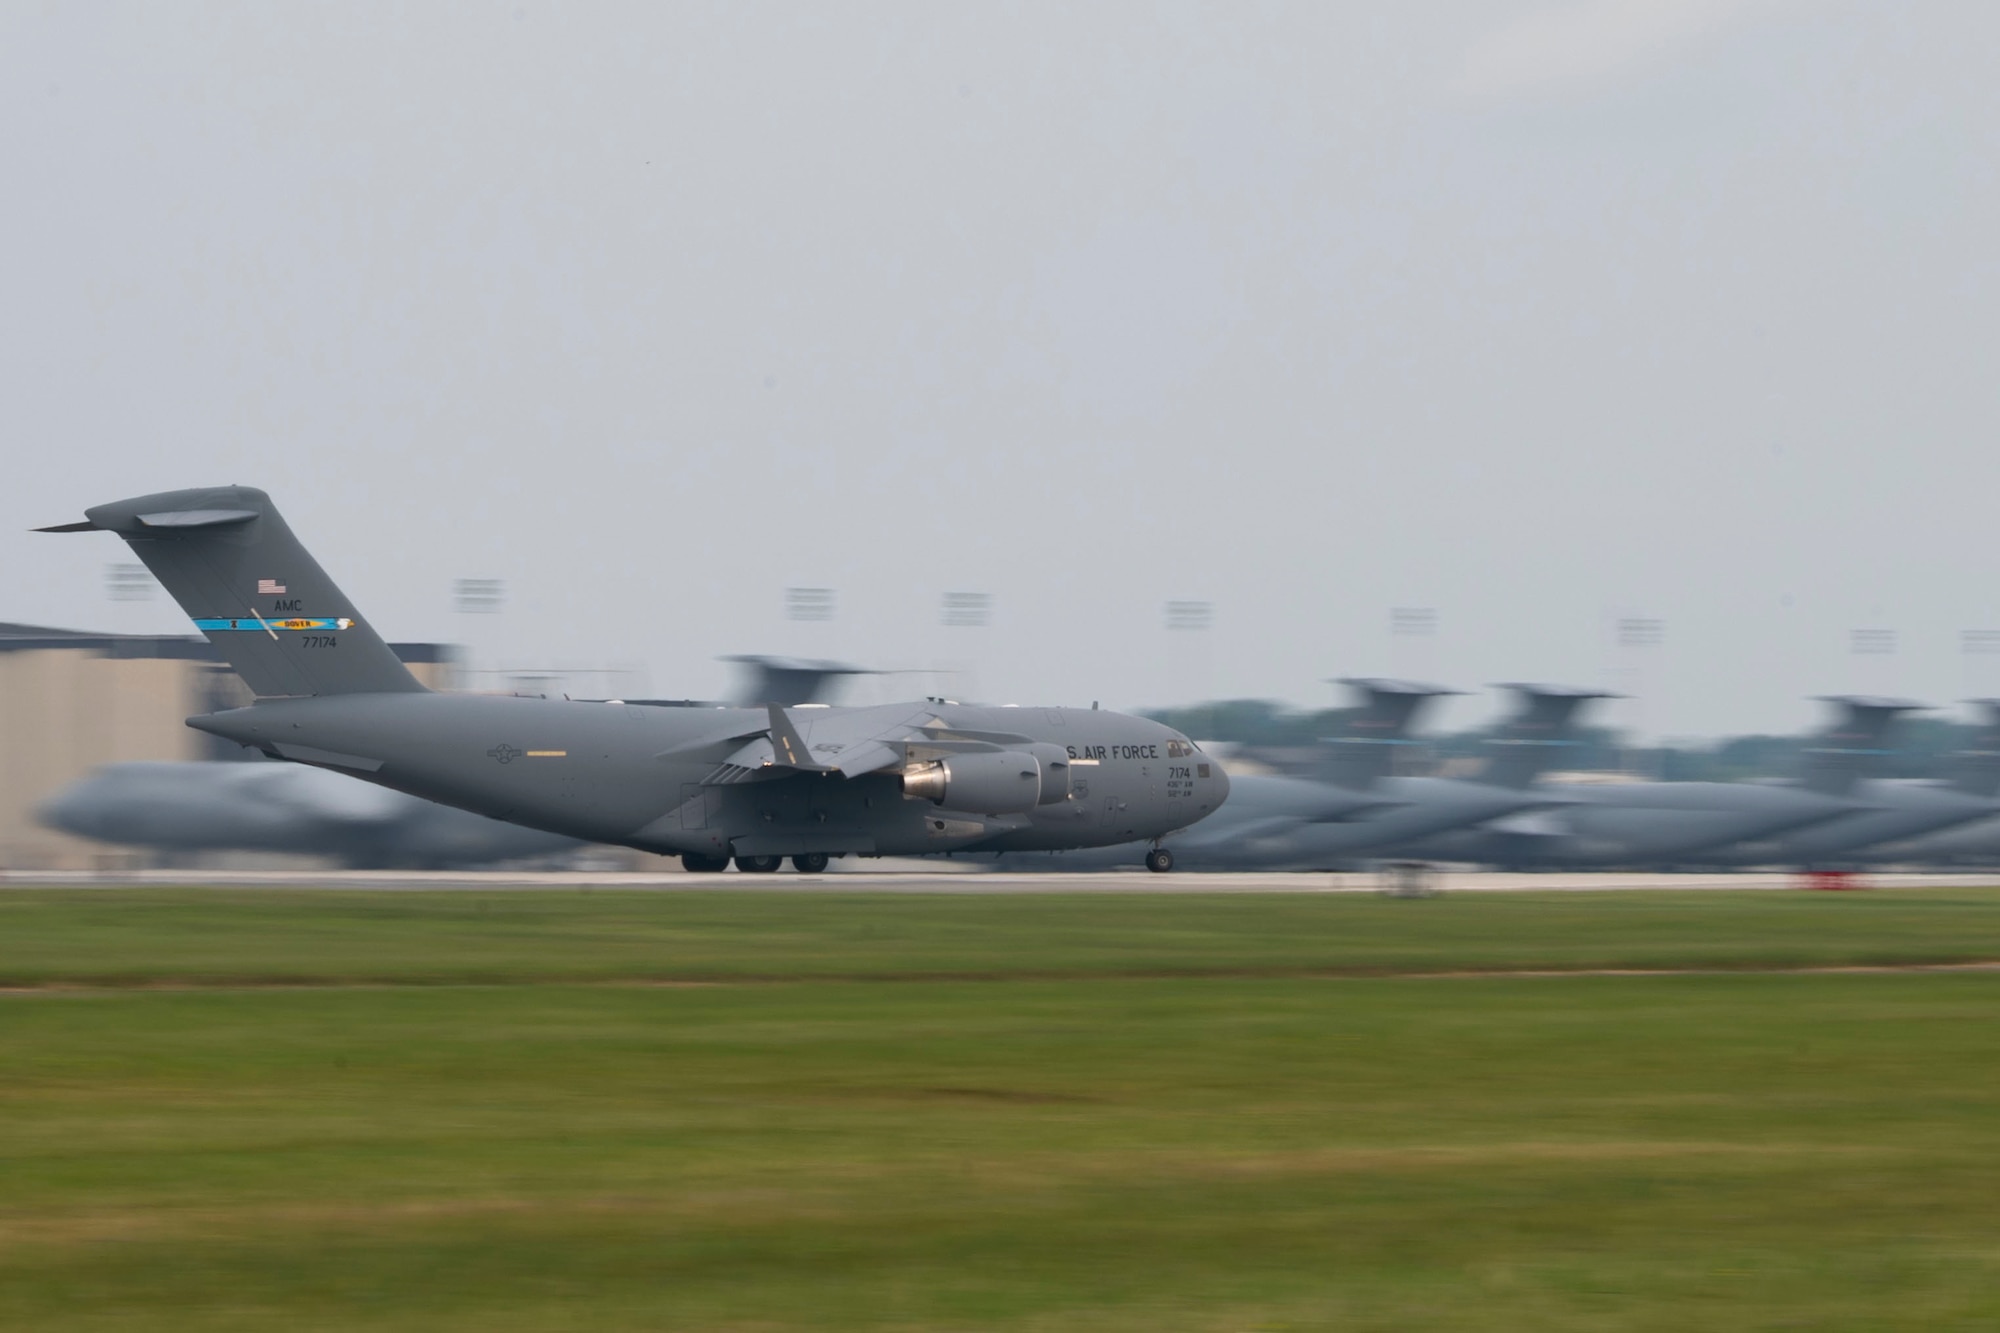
1409, 879
806, 863
1159, 860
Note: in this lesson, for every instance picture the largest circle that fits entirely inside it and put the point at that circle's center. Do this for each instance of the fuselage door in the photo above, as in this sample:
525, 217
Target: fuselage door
694, 805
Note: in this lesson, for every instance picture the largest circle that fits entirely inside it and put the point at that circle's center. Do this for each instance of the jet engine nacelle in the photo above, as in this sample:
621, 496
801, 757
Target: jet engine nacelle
1007, 783
1054, 760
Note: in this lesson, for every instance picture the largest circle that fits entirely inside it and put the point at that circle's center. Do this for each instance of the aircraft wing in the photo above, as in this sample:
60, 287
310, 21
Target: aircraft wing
849, 742
1239, 835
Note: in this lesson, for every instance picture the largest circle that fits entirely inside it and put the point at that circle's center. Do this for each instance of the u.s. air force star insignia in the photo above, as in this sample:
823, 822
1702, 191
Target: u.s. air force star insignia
505, 753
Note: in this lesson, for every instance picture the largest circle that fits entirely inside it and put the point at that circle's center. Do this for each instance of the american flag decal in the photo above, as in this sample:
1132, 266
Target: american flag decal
269, 588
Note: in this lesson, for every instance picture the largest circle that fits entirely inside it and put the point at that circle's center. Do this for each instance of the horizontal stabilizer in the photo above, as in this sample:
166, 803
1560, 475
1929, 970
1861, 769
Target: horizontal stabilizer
166, 518
196, 518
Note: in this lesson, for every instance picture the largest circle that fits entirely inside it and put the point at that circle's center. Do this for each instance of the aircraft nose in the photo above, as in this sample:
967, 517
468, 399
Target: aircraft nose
1211, 784
66, 811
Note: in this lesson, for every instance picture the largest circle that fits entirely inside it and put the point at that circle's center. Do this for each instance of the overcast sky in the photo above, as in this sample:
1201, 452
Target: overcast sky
1538, 315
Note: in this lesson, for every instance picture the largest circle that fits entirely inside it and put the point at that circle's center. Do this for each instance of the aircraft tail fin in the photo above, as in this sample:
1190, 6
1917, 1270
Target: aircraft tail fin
1540, 731
1975, 770
227, 556
1855, 745
788, 680
1365, 747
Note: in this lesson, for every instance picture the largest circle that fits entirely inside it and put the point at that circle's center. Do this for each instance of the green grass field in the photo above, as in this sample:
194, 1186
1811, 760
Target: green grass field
612, 1110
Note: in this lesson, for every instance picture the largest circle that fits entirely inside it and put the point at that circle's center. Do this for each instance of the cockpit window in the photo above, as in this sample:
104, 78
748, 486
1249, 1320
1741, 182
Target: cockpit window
1179, 749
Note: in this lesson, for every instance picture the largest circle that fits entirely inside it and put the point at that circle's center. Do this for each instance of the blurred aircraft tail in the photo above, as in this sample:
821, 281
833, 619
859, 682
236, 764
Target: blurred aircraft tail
1975, 770
1365, 747
1539, 733
788, 680
228, 558
1855, 745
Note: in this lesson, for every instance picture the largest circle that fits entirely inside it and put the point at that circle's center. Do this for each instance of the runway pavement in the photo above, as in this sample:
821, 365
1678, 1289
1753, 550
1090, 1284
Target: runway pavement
920, 878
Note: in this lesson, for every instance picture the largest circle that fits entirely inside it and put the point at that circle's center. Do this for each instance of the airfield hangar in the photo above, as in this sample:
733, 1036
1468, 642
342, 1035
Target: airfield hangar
71, 700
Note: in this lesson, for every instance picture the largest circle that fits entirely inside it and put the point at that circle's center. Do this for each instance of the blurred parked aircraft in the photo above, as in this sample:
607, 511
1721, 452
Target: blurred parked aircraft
185, 808
1918, 822
1675, 824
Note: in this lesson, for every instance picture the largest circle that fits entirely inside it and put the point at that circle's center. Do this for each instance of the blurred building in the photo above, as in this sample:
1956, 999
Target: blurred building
71, 700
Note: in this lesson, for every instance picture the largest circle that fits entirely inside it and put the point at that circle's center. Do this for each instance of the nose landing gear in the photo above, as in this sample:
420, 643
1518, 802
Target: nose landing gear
1159, 860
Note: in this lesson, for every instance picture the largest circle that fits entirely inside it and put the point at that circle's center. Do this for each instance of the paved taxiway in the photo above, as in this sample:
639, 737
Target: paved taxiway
923, 879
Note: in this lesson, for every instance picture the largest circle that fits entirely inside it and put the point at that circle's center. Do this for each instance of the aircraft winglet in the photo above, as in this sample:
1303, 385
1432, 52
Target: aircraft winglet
788, 747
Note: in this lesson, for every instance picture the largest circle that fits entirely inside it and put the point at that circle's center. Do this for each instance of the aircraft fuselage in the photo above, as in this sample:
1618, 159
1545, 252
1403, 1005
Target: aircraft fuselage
645, 776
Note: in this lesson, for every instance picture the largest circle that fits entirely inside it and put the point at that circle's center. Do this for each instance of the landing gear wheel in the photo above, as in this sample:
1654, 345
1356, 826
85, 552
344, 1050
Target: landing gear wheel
758, 865
809, 863
1159, 860
697, 864
1409, 879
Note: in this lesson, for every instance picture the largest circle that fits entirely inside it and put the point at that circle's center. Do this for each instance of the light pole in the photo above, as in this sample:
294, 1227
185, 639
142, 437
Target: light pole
128, 583
1637, 635
1193, 618
809, 604
1979, 649
1411, 630
1878, 646
967, 611
477, 597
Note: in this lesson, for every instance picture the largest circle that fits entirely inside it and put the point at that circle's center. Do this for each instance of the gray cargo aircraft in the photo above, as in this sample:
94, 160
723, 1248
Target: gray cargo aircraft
1347, 805
180, 807
1268, 813
1974, 771
1525, 745
1902, 812
1680, 824
711, 785
1972, 844
188, 807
